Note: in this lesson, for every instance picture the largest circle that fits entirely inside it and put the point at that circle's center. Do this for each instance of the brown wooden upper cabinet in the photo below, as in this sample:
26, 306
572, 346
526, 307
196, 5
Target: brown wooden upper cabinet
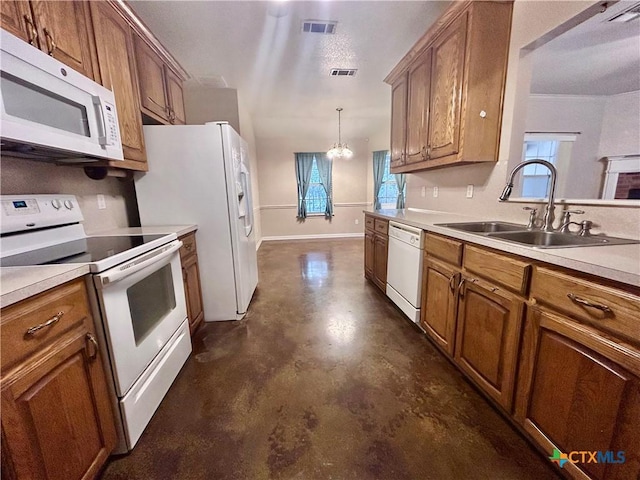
175, 94
446, 92
160, 88
454, 80
398, 121
114, 41
418, 109
60, 29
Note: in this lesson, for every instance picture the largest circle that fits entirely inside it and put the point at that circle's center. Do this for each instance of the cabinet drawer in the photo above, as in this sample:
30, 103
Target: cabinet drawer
381, 226
368, 222
444, 248
501, 269
605, 307
65, 307
188, 245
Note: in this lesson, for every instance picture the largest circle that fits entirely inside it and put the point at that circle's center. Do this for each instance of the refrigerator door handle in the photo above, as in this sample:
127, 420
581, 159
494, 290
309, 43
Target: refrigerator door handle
248, 217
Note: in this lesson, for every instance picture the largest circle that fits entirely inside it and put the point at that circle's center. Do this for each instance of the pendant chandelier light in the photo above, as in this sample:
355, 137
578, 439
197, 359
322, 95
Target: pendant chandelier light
339, 149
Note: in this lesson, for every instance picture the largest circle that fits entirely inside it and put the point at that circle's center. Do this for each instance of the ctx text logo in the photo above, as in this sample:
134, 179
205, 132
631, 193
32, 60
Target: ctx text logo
584, 456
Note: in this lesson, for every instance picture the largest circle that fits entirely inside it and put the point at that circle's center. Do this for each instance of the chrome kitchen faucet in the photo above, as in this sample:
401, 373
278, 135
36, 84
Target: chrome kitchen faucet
547, 219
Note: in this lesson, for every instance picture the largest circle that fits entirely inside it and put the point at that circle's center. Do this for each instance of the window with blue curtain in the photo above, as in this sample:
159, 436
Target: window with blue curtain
315, 186
316, 198
388, 193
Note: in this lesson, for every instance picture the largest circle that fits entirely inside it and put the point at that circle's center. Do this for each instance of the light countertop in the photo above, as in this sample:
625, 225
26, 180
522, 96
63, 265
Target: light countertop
18, 283
620, 263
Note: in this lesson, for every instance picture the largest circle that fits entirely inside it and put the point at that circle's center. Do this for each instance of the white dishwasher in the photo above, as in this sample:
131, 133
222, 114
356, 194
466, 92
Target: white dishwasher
404, 269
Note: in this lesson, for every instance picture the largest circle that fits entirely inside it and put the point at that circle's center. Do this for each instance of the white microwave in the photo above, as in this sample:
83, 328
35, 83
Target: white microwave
51, 112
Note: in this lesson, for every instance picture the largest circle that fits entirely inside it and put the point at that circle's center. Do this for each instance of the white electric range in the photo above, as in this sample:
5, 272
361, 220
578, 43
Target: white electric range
141, 315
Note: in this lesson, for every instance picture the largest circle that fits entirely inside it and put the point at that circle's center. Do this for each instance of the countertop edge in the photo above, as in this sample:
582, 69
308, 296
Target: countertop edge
34, 288
560, 257
179, 230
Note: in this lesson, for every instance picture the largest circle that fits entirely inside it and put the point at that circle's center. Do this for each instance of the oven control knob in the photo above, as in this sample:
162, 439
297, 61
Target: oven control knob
55, 203
68, 204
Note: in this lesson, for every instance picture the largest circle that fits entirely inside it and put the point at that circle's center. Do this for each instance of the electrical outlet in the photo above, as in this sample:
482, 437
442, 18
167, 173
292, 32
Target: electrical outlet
423, 191
435, 192
102, 204
357, 221
469, 191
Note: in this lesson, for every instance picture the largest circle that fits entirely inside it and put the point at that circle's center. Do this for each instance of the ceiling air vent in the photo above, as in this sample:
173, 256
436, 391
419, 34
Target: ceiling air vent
627, 15
319, 26
343, 72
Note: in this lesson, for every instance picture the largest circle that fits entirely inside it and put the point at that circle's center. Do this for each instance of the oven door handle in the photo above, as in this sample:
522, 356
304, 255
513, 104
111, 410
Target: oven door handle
128, 269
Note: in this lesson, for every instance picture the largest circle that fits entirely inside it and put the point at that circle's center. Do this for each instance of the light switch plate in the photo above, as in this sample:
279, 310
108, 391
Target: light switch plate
435, 192
102, 204
469, 191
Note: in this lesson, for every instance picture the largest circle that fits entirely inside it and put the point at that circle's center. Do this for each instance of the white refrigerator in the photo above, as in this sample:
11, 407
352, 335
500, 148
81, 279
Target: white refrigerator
200, 174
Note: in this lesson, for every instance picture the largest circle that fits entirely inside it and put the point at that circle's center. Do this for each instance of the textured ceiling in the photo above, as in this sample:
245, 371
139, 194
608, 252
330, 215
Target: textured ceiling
595, 58
282, 73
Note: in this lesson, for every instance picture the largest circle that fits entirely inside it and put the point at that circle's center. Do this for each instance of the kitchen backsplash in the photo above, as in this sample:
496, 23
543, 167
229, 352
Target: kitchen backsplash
26, 177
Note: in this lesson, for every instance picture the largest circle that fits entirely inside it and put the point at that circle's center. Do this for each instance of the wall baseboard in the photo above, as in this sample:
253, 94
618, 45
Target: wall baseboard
258, 244
312, 237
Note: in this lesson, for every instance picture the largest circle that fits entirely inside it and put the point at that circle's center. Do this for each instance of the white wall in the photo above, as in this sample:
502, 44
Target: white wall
378, 141
208, 104
28, 177
583, 177
531, 20
278, 188
621, 125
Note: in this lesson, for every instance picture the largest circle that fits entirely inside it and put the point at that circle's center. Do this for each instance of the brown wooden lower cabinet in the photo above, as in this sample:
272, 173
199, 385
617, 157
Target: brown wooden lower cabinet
376, 251
369, 249
557, 351
191, 279
580, 391
57, 421
488, 336
381, 249
439, 303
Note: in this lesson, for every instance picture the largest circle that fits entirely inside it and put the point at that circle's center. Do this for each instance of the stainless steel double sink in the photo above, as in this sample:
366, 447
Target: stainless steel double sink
511, 232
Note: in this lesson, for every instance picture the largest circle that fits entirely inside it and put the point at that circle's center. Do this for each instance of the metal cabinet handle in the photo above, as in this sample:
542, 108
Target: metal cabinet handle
51, 44
452, 285
188, 246
461, 287
53, 320
32, 32
91, 341
599, 306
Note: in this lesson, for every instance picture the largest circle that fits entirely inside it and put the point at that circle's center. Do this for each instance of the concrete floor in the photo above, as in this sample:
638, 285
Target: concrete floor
324, 379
